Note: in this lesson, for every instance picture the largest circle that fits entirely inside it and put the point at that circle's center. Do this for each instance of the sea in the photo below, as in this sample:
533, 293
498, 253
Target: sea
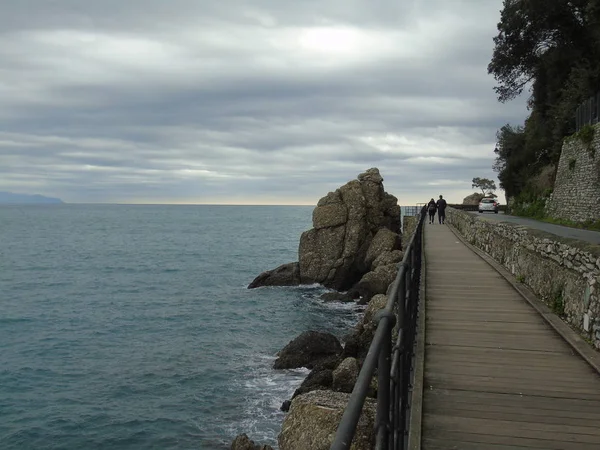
131, 326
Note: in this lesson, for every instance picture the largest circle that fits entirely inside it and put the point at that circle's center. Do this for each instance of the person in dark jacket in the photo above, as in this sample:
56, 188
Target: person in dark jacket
441, 208
431, 208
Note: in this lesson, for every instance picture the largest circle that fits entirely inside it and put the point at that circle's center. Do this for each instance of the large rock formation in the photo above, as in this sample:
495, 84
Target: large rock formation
313, 420
356, 229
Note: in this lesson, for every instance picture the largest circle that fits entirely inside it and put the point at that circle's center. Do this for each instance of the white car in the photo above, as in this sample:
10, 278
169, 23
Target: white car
488, 205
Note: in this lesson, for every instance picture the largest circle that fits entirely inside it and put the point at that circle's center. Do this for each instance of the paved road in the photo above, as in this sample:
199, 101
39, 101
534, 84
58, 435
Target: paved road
559, 230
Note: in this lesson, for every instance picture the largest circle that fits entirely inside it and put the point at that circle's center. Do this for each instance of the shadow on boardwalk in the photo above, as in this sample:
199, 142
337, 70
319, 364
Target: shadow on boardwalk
497, 376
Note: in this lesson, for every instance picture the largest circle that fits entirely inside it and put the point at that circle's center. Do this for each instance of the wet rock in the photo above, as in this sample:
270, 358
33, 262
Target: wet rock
284, 275
307, 350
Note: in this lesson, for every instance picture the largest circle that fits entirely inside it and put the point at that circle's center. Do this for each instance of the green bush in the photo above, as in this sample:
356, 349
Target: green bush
586, 134
557, 303
528, 204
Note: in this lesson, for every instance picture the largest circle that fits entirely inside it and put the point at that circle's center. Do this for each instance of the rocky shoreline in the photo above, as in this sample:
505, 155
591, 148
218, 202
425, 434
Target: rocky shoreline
354, 248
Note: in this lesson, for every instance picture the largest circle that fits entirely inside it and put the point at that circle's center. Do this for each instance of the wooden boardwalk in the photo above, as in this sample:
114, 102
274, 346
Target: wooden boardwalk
497, 376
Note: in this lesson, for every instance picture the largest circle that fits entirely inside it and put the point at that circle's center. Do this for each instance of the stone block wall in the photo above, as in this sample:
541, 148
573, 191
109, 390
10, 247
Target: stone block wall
576, 194
564, 273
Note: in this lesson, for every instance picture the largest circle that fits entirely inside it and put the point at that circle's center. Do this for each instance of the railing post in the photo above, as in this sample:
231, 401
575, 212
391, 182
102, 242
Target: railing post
383, 389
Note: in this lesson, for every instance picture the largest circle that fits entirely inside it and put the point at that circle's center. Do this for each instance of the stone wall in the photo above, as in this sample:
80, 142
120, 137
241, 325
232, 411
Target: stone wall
564, 273
576, 194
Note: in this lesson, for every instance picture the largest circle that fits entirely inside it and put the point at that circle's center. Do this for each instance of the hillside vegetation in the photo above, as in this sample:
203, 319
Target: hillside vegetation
552, 50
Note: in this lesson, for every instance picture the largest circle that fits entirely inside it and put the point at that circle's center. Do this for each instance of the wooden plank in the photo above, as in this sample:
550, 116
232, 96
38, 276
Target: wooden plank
544, 405
497, 376
443, 444
520, 415
506, 427
484, 442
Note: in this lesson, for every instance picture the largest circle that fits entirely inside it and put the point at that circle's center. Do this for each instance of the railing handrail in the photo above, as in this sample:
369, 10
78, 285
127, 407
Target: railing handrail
393, 363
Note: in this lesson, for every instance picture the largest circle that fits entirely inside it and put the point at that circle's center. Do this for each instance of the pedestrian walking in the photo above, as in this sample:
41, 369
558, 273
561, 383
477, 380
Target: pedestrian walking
441, 209
431, 208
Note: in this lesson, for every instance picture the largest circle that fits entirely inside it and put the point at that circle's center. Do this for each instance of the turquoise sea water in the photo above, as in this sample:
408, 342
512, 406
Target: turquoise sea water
130, 327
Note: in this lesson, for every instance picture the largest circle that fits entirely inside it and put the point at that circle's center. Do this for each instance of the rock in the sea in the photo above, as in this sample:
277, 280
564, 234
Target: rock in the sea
284, 275
345, 375
313, 420
351, 227
243, 442
318, 379
307, 350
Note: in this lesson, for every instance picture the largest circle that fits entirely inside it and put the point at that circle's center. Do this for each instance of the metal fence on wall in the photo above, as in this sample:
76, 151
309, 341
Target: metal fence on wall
587, 113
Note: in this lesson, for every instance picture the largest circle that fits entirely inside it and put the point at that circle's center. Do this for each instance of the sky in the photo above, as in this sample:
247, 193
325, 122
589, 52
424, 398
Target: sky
246, 102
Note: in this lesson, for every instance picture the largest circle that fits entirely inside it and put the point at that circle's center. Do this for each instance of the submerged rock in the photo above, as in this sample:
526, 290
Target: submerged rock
307, 350
284, 275
313, 420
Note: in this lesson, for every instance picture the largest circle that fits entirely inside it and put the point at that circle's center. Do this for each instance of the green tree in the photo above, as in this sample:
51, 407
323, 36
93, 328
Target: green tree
487, 186
511, 159
552, 48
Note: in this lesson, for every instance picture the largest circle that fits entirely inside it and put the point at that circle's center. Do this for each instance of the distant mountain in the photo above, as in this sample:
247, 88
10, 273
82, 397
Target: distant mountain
9, 198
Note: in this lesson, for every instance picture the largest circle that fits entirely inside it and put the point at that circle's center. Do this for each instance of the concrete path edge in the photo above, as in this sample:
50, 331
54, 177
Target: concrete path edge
577, 343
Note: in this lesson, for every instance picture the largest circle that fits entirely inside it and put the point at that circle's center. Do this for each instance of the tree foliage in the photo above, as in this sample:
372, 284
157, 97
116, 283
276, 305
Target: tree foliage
487, 186
552, 47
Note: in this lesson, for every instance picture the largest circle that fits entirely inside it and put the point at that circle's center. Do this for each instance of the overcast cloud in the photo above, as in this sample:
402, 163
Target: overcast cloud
232, 101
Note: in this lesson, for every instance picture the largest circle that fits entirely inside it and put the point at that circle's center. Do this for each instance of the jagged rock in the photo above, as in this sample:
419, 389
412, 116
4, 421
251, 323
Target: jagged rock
320, 251
351, 345
386, 258
367, 323
345, 375
313, 420
384, 241
317, 379
351, 227
330, 215
375, 282
365, 330
243, 442
473, 199
307, 350
285, 406
284, 275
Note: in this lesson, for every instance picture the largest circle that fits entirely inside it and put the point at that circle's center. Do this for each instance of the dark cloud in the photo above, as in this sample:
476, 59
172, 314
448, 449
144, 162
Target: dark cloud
273, 102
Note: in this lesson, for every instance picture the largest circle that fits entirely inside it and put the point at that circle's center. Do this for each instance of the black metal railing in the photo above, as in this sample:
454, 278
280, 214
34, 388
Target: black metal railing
588, 112
412, 210
393, 363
